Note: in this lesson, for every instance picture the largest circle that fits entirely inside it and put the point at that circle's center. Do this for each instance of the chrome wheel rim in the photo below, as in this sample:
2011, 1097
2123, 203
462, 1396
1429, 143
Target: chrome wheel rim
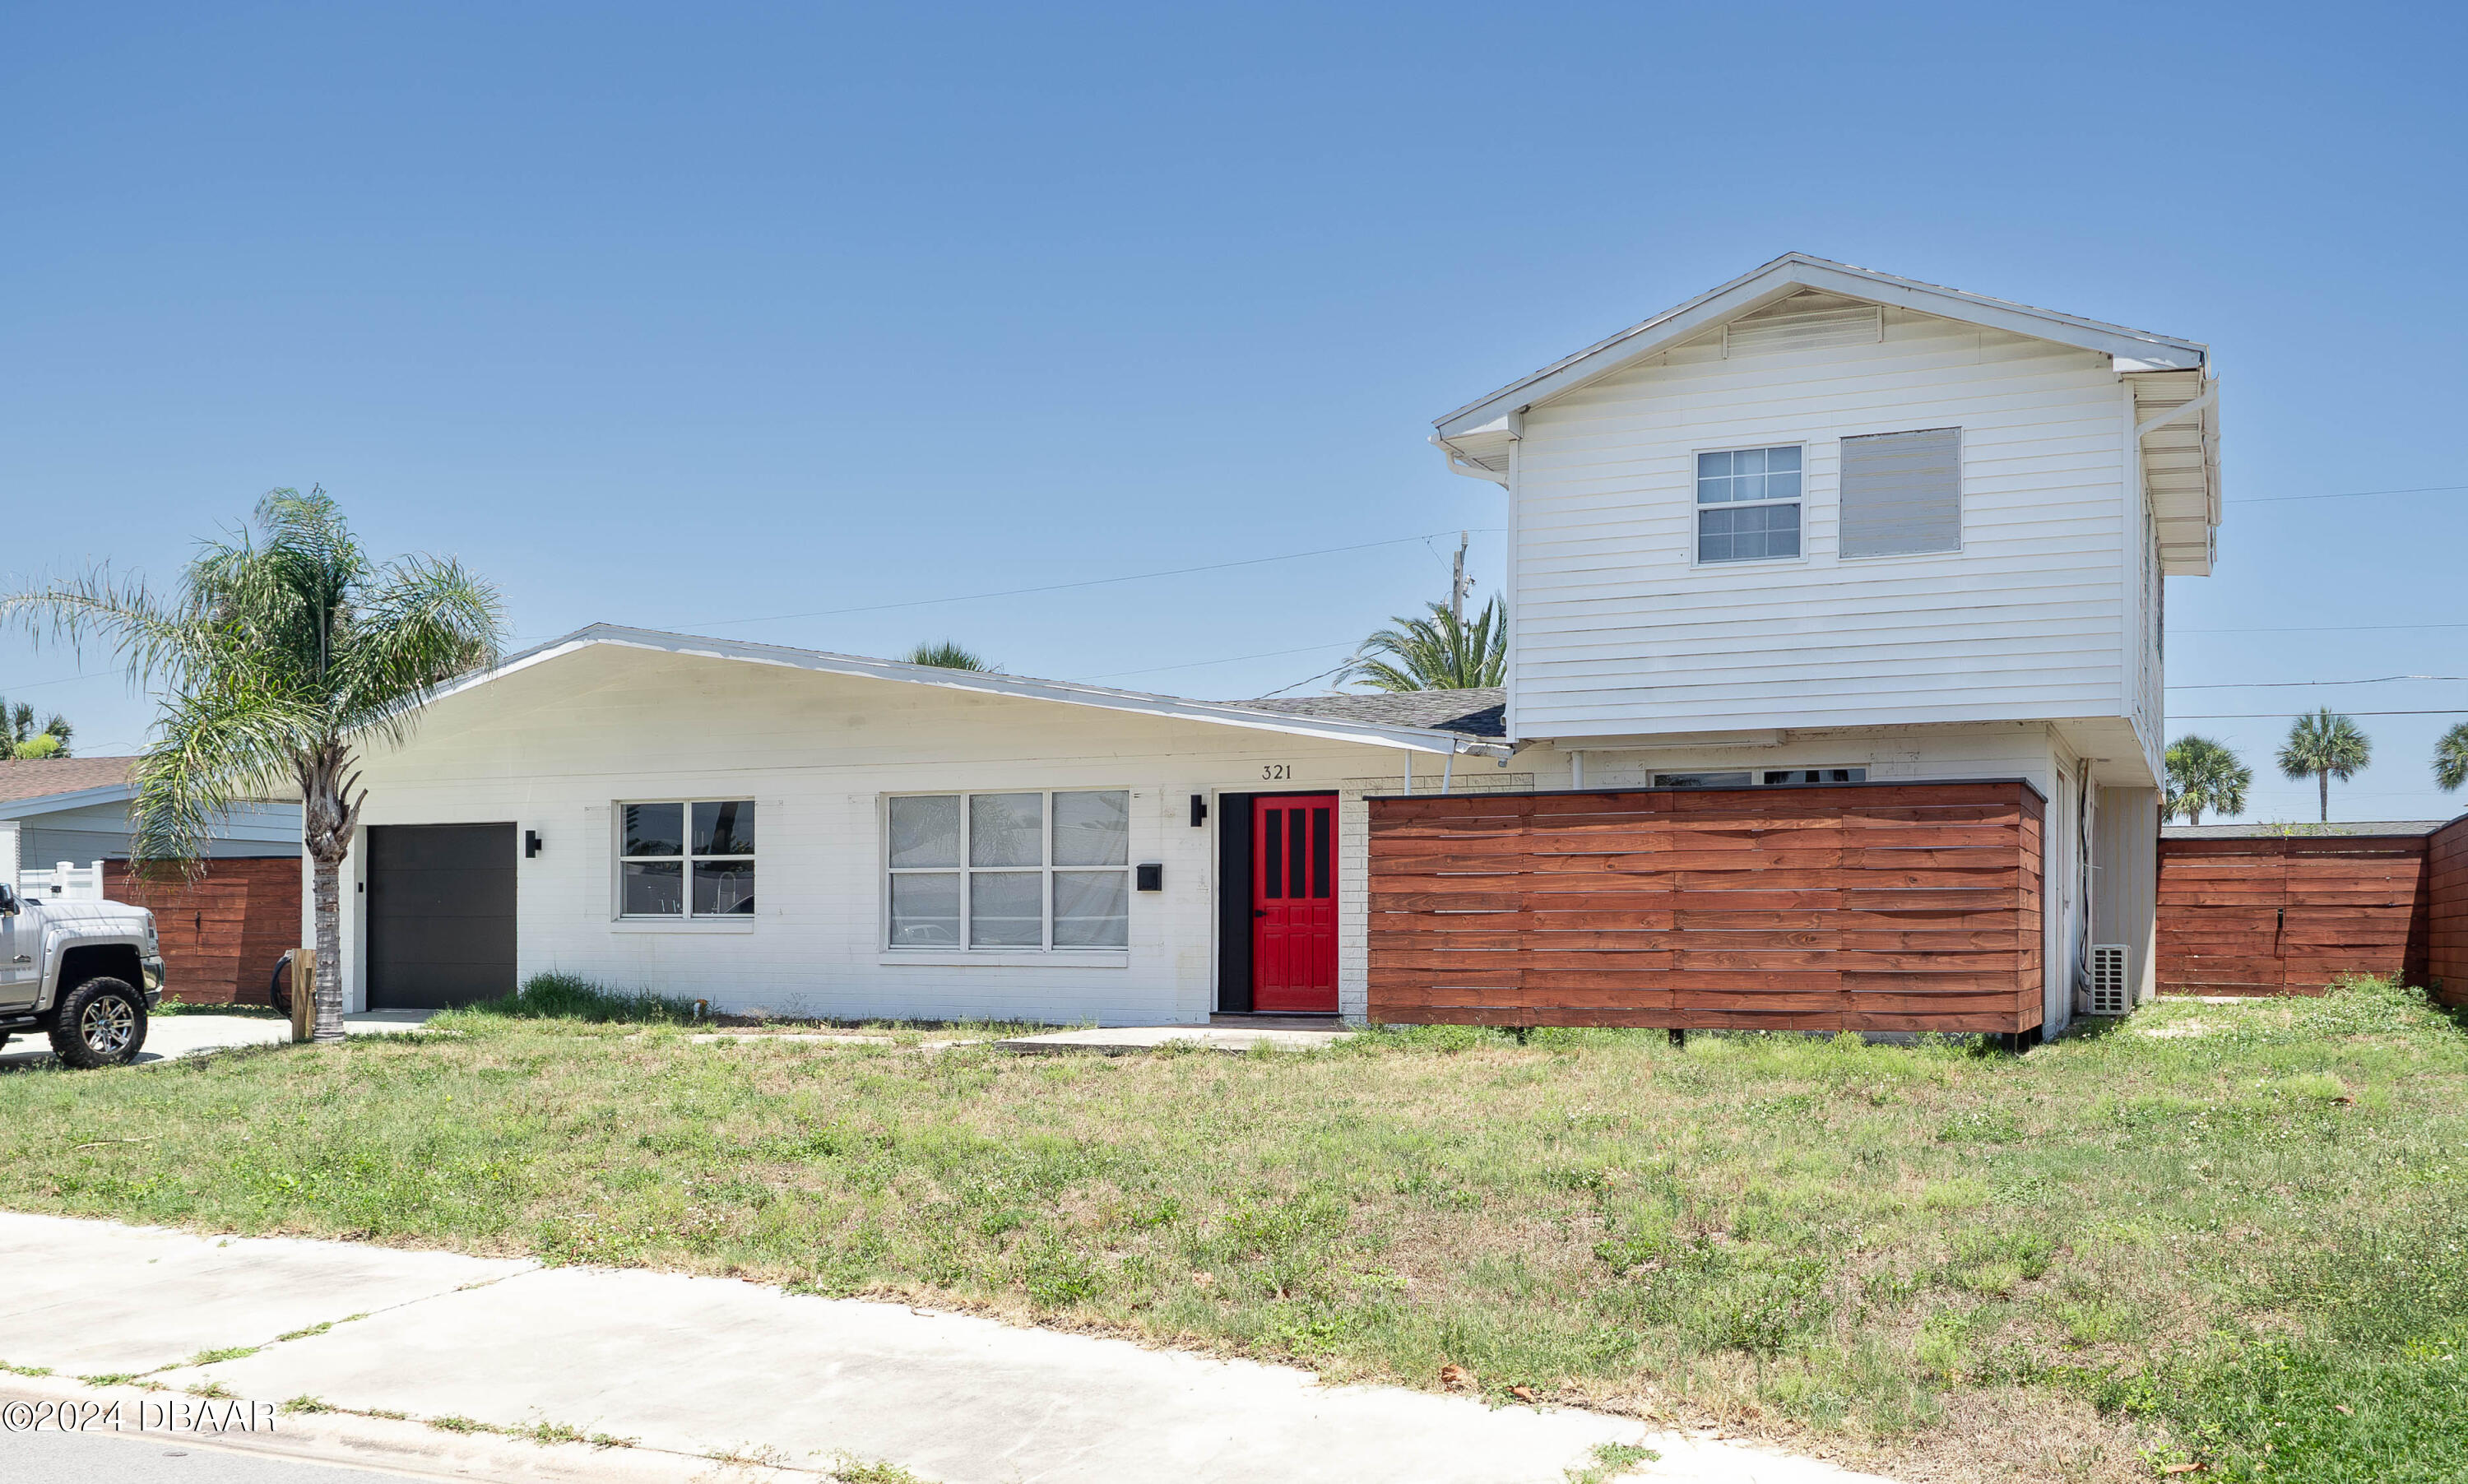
107, 1026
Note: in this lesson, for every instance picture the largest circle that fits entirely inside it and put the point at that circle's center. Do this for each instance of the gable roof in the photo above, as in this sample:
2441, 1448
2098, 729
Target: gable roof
2175, 400
1480, 712
1408, 735
40, 786
2135, 350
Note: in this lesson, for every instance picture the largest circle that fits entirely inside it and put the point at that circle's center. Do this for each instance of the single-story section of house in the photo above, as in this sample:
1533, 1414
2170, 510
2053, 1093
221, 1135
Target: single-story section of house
812, 833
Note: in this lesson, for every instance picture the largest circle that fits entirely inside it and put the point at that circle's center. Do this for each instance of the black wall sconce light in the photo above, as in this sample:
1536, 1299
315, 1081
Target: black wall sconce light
530, 843
1199, 810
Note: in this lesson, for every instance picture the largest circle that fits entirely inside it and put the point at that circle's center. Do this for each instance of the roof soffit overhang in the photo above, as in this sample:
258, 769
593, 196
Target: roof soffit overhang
1479, 424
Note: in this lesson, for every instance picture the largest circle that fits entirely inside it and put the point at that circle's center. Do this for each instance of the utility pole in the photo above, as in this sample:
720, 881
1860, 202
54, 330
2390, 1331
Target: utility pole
1457, 586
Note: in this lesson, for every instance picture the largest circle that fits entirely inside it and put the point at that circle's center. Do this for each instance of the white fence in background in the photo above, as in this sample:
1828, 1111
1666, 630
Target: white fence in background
67, 881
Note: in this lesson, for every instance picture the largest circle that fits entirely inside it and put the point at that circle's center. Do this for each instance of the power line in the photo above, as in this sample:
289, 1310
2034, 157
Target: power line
2256, 685
2282, 715
2344, 494
1094, 582
2346, 628
1202, 664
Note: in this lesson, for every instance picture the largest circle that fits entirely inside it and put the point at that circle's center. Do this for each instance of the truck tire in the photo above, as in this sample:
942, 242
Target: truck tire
102, 1023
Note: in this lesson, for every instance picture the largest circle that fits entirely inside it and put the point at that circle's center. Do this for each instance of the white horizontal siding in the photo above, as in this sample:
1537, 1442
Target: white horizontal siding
1617, 632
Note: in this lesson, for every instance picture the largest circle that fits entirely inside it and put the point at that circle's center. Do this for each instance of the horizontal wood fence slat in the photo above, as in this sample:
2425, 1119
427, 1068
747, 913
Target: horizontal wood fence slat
1896, 907
222, 933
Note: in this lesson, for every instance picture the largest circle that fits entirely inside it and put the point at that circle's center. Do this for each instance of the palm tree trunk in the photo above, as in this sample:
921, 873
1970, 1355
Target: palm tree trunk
2322, 776
327, 896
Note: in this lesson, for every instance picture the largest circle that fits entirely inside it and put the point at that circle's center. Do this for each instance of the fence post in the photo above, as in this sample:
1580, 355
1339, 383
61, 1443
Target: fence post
304, 994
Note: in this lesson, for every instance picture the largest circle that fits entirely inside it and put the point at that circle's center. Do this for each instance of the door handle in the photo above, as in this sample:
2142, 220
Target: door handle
1255, 912
23, 958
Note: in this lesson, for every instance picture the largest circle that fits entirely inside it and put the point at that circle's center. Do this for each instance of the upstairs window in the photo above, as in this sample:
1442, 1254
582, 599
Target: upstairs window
1017, 871
687, 859
1902, 493
1747, 504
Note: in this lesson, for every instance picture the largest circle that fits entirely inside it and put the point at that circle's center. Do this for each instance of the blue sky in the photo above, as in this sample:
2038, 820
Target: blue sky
677, 315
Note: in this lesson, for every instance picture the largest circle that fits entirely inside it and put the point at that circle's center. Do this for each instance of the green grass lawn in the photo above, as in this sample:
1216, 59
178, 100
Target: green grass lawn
2232, 1236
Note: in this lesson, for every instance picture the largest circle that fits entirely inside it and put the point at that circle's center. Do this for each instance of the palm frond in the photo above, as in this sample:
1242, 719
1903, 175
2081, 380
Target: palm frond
1434, 652
213, 747
2324, 743
155, 641
422, 622
2450, 757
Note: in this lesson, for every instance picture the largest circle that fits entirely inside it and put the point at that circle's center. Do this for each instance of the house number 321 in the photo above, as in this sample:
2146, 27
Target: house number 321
1276, 772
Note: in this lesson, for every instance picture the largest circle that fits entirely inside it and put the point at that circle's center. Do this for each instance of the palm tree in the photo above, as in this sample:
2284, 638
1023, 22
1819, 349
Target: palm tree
281, 653
2203, 775
1440, 653
18, 737
948, 654
2450, 757
2327, 746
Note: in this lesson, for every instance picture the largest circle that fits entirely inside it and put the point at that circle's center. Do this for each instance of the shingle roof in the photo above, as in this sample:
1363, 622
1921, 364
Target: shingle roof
2300, 830
40, 778
1481, 711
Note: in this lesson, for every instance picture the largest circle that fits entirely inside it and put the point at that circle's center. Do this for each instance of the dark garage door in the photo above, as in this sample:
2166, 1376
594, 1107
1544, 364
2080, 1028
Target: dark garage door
440, 915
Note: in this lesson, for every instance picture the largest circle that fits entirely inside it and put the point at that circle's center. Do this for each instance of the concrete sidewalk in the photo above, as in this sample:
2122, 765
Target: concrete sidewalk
708, 1377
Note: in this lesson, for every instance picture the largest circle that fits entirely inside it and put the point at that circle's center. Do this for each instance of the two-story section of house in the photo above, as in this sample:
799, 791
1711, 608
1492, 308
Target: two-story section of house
1827, 525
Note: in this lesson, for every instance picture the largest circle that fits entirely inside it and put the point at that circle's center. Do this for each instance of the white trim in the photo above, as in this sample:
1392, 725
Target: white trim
1695, 509
2159, 421
1007, 958
1068, 692
1791, 272
1961, 497
1045, 871
685, 859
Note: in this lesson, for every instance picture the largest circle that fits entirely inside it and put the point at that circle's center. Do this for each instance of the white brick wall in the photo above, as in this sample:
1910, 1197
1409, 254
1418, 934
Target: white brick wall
552, 748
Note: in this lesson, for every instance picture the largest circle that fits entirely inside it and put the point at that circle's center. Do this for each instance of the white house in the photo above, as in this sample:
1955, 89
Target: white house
1824, 521
1821, 526
822, 834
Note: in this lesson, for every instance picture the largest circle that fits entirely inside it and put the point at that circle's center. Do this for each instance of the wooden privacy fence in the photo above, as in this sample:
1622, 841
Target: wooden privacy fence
222, 933
2286, 915
1875, 906
2446, 890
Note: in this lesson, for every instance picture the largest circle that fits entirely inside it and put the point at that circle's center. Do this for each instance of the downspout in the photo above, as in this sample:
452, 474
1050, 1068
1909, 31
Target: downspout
1577, 768
1447, 770
1409, 773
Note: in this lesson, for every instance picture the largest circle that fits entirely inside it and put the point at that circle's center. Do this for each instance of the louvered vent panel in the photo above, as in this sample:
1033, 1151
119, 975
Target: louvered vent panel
2107, 995
1803, 330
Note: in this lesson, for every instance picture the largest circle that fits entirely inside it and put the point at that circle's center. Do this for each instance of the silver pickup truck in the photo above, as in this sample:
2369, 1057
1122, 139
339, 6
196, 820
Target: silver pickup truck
86, 973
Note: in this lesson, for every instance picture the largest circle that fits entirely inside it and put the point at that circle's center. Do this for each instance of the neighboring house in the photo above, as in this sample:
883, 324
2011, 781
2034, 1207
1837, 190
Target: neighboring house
221, 932
77, 810
1821, 529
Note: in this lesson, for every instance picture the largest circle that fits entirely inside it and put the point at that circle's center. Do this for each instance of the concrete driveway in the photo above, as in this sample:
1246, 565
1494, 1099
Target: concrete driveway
195, 1032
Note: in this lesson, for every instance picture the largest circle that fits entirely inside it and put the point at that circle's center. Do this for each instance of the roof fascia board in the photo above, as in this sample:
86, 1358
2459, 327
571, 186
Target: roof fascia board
54, 803
1064, 692
2142, 351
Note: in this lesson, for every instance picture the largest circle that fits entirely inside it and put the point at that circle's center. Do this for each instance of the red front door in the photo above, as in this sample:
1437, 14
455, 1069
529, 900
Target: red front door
1293, 904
